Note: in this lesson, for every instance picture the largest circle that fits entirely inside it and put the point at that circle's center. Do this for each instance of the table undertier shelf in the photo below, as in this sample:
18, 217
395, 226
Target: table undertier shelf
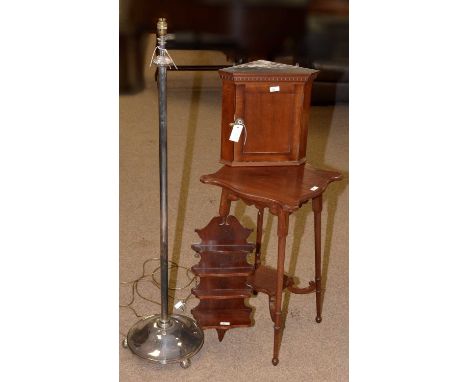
264, 280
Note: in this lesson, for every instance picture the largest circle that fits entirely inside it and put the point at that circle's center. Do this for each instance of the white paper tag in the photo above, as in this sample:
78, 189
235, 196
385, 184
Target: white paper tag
274, 89
314, 188
179, 305
236, 132
224, 323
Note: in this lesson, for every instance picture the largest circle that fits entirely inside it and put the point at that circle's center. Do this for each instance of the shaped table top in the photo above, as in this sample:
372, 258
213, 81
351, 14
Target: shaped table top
286, 186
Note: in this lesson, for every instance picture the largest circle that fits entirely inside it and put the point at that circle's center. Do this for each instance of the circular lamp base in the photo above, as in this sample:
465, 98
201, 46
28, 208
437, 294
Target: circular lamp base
178, 340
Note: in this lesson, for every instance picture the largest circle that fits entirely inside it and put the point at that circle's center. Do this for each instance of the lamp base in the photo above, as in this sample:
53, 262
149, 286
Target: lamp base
176, 340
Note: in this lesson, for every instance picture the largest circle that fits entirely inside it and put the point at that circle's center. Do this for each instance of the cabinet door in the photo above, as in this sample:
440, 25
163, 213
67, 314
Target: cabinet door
271, 113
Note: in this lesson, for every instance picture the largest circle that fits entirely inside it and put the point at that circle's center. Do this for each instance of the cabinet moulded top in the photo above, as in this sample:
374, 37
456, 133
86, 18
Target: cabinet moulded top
262, 70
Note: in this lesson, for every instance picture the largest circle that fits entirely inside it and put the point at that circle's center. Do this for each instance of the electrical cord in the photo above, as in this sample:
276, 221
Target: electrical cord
150, 277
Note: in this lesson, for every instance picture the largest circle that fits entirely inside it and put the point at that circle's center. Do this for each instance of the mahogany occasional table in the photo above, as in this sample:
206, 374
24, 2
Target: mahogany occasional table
283, 190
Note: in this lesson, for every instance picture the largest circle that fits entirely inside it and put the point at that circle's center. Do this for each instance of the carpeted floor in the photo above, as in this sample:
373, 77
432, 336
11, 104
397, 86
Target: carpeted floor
309, 351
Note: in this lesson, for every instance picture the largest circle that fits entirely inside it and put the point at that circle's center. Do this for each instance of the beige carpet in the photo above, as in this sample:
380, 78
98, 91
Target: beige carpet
309, 351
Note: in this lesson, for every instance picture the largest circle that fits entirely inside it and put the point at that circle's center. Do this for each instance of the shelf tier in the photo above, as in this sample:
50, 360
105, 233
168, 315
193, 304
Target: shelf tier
223, 318
222, 261
224, 249
223, 272
221, 294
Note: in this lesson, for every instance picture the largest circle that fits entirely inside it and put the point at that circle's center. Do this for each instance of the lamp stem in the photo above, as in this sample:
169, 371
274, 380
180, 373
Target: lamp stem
162, 90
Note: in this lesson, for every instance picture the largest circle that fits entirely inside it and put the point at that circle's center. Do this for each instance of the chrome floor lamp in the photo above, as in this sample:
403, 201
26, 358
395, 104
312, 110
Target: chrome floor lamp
164, 338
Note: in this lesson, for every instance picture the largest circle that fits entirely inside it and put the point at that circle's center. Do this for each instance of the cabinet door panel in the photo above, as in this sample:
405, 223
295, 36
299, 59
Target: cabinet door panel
269, 118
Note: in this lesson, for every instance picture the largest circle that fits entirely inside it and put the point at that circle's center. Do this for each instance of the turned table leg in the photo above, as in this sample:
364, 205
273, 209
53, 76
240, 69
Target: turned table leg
225, 204
259, 237
317, 208
283, 222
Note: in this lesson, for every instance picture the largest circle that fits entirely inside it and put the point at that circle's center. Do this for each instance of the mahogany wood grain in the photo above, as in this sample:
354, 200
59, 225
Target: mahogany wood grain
282, 190
282, 232
223, 270
317, 208
276, 122
284, 186
264, 280
258, 239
